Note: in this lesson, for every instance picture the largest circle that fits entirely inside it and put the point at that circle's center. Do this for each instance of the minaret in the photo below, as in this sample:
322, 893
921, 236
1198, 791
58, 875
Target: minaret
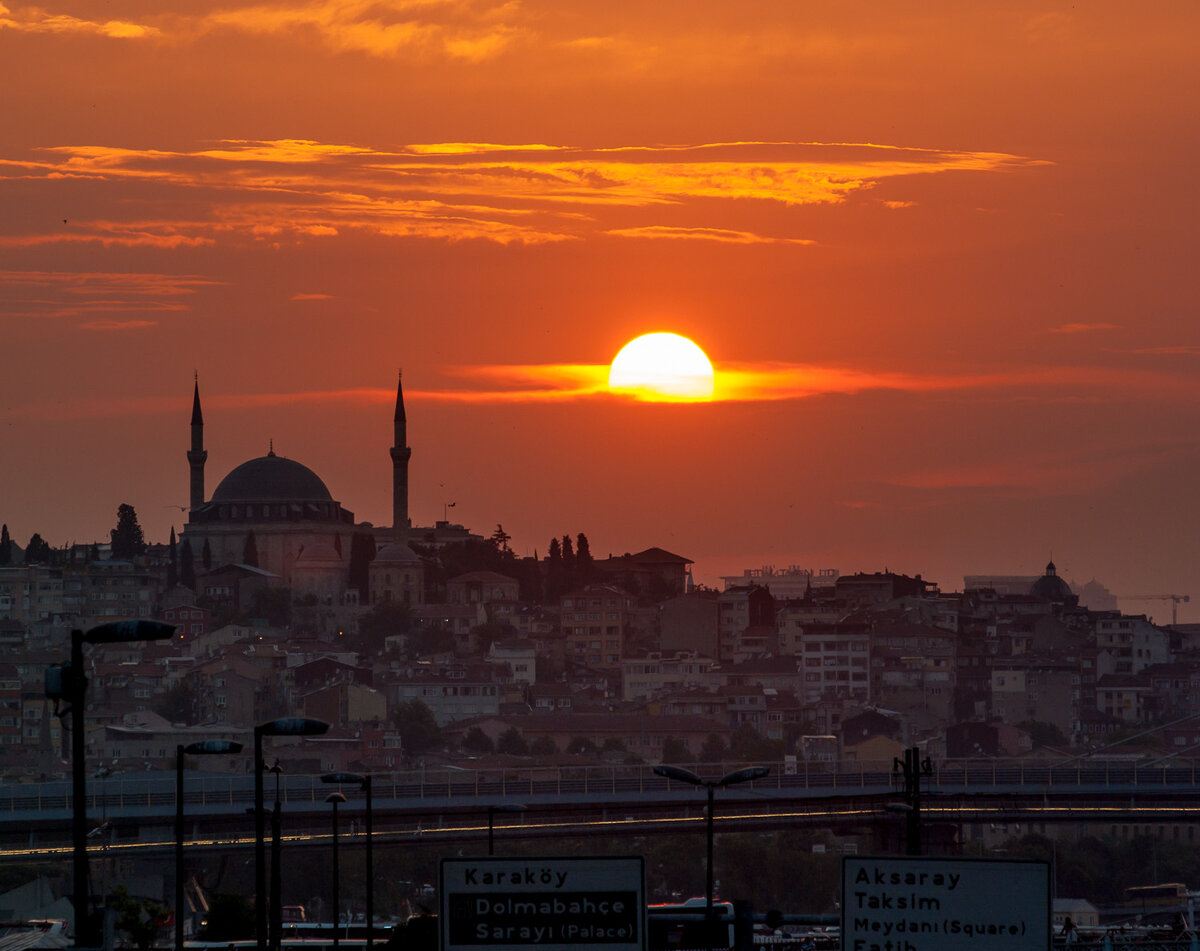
400, 456
196, 455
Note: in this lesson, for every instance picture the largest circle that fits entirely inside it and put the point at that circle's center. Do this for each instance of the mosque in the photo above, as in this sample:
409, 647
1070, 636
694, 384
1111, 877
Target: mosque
279, 515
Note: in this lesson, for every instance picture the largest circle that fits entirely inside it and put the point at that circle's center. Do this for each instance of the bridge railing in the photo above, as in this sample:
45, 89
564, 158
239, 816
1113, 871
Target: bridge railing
155, 791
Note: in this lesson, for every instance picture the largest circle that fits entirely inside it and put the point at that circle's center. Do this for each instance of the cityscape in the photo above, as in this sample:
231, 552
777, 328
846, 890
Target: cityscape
653, 477
388, 651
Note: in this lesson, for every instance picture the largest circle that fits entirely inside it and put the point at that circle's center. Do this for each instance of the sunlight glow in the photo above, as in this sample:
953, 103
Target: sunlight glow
662, 367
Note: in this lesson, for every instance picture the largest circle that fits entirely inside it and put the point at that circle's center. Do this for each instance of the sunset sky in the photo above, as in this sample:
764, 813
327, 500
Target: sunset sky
942, 257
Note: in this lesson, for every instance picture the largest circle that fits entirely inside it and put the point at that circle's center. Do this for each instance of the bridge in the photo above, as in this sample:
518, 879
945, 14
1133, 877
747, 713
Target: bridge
135, 811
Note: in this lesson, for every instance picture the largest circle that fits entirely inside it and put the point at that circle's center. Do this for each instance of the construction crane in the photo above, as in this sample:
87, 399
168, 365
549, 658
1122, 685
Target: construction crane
1175, 599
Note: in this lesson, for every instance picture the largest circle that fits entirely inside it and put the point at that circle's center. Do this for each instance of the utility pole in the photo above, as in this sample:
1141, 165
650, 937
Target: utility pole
913, 769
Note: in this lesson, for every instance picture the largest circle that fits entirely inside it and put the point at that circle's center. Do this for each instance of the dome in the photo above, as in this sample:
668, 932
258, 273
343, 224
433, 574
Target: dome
397, 554
272, 478
1050, 587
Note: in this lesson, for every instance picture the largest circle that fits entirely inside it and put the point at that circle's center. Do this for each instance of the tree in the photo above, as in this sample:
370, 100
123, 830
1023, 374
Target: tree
172, 562
580, 744
37, 552
543, 746
511, 741
206, 556
383, 621
140, 920
675, 750
362, 553
127, 538
178, 704
230, 918
1043, 734
250, 551
417, 727
500, 538
5, 545
187, 566
584, 563
476, 741
713, 750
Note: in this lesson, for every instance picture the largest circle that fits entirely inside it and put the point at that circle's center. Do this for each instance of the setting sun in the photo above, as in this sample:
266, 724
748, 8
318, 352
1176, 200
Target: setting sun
662, 367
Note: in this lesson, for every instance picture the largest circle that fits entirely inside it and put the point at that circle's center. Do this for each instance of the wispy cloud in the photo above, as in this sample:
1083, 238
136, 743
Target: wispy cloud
1081, 328
722, 235
60, 294
1181, 349
300, 190
111, 325
304, 297
34, 20
568, 382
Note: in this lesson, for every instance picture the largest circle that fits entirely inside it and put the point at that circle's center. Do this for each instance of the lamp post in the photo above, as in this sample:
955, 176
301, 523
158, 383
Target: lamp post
492, 810
364, 783
275, 903
284, 726
202, 748
333, 799
729, 779
74, 689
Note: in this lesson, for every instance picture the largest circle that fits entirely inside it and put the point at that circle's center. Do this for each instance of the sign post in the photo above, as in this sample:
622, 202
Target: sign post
553, 902
920, 904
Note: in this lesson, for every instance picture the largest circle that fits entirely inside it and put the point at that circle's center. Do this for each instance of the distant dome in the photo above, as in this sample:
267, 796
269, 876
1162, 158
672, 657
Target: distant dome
397, 554
1050, 587
272, 478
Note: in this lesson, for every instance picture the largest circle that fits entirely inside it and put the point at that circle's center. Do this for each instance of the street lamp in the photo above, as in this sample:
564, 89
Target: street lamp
682, 775
284, 726
364, 783
492, 810
202, 748
333, 799
275, 903
73, 688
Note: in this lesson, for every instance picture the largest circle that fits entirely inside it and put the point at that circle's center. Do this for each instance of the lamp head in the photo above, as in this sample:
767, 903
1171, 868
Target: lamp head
292, 726
679, 774
744, 775
118, 632
335, 798
212, 747
344, 778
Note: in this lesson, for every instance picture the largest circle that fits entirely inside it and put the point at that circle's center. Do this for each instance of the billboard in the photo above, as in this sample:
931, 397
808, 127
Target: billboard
928, 904
555, 903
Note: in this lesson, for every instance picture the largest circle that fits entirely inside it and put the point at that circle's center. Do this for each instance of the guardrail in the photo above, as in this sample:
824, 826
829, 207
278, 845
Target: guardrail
155, 791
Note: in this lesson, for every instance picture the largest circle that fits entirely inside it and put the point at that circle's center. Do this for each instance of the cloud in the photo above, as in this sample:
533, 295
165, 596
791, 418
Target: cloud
1181, 349
704, 234
33, 20
302, 190
302, 297
59, 294
1081, 328
119, 324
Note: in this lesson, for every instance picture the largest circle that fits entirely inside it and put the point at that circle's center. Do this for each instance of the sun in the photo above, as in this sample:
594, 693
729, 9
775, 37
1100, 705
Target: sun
664, 368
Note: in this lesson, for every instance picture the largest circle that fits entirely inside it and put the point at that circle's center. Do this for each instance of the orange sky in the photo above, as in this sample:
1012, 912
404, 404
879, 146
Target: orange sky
941, 256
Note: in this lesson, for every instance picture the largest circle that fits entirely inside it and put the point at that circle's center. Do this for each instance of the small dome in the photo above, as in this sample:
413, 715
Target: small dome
318, 554
1050, 587
397, 554
272, 478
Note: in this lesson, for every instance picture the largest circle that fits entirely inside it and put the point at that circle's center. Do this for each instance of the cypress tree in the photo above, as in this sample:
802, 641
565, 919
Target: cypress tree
172, 562
5, 545
187, 566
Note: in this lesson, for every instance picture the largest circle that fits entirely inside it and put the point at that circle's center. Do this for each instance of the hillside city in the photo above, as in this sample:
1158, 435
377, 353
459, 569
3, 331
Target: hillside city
435, 643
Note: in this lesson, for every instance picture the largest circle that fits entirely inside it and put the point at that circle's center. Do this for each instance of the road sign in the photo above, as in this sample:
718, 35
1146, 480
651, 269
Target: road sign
553, 902
927, 904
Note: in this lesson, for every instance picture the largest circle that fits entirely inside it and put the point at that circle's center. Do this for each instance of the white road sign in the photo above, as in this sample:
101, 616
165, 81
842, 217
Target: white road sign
928, 904
552, 903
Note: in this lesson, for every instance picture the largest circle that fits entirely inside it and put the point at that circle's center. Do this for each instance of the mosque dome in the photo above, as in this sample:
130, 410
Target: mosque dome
397, 554
1050, 587
272, 478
